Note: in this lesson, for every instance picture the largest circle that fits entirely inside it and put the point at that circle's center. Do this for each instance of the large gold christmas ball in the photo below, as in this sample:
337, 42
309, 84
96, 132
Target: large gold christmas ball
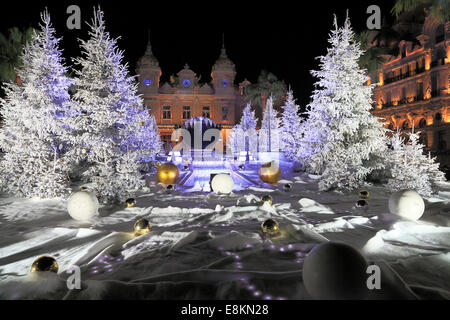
270, 226
142, 226
267, 198
168, 173
270, 172
130, 203
364, 194
44, 263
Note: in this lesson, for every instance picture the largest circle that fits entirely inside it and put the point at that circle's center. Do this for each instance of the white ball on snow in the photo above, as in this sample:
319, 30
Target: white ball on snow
222, 183
407, 204
82, 205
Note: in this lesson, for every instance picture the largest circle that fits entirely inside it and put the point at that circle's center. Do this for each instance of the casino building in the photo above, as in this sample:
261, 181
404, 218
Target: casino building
174, 104
413, 85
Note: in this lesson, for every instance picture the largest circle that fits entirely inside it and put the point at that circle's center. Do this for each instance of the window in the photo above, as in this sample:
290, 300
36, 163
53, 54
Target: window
186, 112
422, 123
388, 97
440, 33
206, 112
438, 117
403, 92
423, 139
224, 113
148, 82
405, 125
420, 90
166, 113
441, 143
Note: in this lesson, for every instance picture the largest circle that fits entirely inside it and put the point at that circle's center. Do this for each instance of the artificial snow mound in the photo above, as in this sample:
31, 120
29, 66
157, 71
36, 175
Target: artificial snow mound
407, 204
82, 205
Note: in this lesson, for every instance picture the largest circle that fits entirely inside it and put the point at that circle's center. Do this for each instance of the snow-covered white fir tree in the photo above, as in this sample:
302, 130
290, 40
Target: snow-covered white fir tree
341, 139
244, 136
409, 167
111, 125
269, 134
290, 127
31, 136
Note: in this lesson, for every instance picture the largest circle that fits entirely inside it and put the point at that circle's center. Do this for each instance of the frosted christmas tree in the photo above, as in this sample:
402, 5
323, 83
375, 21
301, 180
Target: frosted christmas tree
290, 127
342, 140
244, 136
410, 168
108, 113
269, 134
34, 164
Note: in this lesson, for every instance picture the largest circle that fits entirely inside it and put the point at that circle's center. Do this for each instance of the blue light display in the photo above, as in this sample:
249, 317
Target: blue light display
148, 82
224, 83
186, 83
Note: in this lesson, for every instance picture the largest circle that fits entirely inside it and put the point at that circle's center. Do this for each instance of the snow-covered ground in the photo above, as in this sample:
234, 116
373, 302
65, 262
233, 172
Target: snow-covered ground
208, 246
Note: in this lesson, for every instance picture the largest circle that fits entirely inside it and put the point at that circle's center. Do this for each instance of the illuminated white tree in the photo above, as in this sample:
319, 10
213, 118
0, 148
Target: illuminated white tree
244, 136
33, 129
269, 134
290, 127
111, 128
341, 140
410, 168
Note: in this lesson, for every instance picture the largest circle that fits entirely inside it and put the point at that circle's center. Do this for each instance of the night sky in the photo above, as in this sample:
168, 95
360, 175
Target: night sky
277, 36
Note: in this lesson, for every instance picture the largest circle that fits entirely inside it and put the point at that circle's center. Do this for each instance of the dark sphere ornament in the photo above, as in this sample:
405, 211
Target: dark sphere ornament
169, 187
267, 198
241, 167
287, 187
270, 227
45, 263
142, 226
361, 203
334, 271
130, 203
364, 194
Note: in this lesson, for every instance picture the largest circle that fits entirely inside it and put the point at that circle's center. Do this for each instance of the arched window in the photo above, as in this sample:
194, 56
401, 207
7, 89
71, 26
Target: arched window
405, 125
423, 139
422, 123
440, 33
438, 117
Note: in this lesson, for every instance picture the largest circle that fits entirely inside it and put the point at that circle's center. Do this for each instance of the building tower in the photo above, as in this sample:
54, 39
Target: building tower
149, 74
223, 74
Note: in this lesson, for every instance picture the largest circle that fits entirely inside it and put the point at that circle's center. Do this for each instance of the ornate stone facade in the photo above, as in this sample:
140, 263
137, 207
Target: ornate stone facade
413, 88
185, 97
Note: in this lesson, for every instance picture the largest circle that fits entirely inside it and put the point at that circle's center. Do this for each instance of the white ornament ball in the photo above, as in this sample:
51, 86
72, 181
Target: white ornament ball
82, 205
335, 271
407, 204
222, 183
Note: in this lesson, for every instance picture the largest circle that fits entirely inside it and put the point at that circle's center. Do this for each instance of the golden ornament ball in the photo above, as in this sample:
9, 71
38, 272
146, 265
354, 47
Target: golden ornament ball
270, 226
142, 226
168, 173
267, 198
270, 172
364, 194
44, 263
130, 203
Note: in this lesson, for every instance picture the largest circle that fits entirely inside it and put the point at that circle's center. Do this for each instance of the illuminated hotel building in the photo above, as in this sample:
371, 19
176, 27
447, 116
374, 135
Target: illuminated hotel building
413, 87
174, 103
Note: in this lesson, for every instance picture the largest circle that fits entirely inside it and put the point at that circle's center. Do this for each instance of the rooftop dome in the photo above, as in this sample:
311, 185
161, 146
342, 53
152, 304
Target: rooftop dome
223, 63
148, 59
